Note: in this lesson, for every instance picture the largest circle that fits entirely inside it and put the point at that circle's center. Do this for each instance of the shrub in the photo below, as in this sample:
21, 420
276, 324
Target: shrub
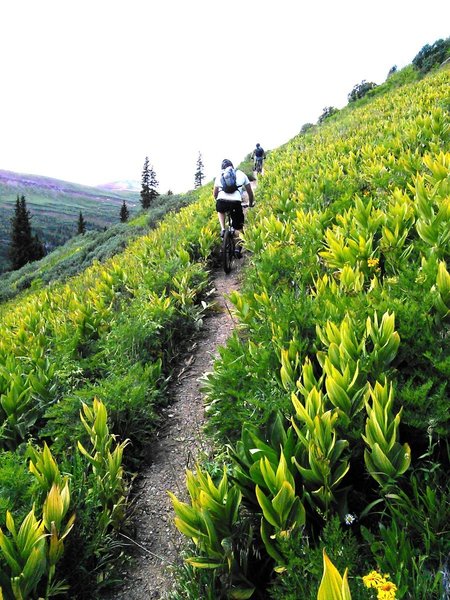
432, 56
360, 90
327, 112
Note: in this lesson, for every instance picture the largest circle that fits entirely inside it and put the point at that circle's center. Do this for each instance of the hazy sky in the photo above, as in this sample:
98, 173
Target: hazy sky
92, 87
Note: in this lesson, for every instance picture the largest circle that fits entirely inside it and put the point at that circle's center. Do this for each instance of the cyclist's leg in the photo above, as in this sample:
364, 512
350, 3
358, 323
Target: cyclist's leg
221, 208
221, 216
237, 221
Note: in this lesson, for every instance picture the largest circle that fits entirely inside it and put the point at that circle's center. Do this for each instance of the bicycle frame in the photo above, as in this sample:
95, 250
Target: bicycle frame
229, 243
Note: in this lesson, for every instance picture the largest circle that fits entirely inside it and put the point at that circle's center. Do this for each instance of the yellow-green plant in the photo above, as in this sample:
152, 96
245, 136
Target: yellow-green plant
432, 204
106, 462
398, 221
385, 341
386, 459
210, 520
24, 551
34, 550
341, 365
282, 510
256, 444
333, 586
54, 512
441, 291
44, 467
321, 464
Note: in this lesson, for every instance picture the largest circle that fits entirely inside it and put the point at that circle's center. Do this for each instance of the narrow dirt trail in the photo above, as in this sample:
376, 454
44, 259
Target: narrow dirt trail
157, 543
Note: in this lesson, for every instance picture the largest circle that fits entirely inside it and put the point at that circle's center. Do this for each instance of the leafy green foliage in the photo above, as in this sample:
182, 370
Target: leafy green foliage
432, 56
327, 112
304, 562
345, 301
16, 485
360, 90
115, 329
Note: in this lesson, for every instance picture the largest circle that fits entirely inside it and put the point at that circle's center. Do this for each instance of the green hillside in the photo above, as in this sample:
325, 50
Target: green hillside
328, 406
55, 206
81, 251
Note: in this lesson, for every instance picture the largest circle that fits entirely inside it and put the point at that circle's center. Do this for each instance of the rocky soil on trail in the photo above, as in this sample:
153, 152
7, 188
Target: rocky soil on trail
156, 543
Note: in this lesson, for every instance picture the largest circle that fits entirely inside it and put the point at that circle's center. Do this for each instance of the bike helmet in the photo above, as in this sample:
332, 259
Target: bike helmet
226, 163
258, 145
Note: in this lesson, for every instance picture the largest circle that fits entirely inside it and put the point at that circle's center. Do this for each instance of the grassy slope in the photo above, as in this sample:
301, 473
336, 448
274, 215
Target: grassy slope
55, 205
79, 252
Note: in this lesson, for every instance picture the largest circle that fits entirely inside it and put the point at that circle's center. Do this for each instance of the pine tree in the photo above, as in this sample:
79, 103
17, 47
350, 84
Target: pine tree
24, 247
124, 213
145, 190
81, 224
199, 175
149, 185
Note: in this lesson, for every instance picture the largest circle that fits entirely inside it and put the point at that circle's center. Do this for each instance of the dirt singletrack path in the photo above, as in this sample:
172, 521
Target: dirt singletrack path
156, 543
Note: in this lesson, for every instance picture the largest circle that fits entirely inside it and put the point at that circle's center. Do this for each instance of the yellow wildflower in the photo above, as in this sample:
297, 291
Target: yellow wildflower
372, 262
386, 591
372, 580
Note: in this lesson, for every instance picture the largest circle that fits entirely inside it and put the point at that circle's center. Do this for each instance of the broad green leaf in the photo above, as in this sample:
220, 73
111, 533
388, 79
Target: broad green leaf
282, 503
269, 513
204, 562
333, 586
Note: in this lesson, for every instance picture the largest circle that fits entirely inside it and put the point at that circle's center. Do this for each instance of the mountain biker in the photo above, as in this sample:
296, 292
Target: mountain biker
258, 155
232, 202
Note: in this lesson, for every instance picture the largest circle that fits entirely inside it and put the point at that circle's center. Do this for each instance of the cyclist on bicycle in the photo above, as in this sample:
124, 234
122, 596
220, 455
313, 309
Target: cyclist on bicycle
232, 201
258, 155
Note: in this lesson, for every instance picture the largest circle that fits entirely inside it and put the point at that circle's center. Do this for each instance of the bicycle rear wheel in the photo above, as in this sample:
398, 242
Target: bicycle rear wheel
227, 250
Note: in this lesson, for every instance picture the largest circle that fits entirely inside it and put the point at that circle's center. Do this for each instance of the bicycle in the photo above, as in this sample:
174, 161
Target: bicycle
229, 243
258, 165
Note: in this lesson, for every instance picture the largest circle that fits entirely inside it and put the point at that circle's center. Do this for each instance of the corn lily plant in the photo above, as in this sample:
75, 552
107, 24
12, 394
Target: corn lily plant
255, 446
106, 463
386, 459
321, 465
32, 552
282, 510
209, 520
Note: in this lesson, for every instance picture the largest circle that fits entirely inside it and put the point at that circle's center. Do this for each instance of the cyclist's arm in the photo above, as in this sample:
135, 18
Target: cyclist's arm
251, 198
216, 192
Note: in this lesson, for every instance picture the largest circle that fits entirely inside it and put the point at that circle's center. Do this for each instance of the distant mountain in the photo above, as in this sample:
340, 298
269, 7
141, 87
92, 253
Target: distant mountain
126, 185
55, 205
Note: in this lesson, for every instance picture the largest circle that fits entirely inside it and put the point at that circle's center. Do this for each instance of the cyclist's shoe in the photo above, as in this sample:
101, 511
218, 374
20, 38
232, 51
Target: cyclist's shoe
222, 233
238, 252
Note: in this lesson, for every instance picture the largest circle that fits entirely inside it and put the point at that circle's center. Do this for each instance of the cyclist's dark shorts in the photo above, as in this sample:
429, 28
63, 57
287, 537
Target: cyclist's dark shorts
235, 209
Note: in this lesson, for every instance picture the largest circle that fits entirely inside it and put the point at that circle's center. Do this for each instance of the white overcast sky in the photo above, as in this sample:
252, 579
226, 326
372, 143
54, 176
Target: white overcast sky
89, 88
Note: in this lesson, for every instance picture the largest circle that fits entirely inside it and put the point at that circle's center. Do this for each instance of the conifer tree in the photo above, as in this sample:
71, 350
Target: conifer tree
81, 224
199, 175
145, 189
124, 212
149, 185
24, 247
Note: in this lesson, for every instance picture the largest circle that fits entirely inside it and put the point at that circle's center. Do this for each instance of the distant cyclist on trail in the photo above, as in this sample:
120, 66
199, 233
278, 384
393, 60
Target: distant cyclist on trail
229, 187
258, 155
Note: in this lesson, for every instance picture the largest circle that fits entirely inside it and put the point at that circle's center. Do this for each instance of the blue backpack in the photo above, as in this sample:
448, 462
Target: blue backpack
228, 180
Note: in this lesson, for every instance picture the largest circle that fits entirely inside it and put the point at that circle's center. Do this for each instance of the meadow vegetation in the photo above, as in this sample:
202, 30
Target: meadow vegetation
81, 251
330, 400
328, 406
83, 368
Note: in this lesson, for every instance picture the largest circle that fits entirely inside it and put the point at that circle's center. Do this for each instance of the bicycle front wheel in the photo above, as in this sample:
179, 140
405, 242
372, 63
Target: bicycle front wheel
227, 250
